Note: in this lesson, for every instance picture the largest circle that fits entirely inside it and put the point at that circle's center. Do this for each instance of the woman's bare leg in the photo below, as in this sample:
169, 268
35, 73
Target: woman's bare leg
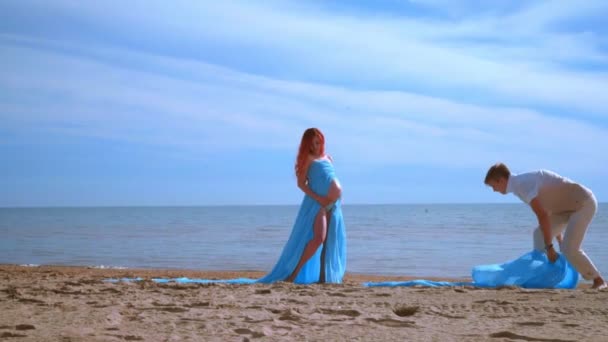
319, 231
334, 193
322, 272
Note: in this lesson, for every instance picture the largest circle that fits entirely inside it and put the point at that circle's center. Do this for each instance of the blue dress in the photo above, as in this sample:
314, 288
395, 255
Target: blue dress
320, 176
321, 173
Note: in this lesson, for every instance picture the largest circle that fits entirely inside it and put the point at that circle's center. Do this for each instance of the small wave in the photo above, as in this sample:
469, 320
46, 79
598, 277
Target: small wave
104, 267
30, 265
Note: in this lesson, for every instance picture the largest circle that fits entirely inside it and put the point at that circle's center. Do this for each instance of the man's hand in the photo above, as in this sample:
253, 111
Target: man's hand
552, 254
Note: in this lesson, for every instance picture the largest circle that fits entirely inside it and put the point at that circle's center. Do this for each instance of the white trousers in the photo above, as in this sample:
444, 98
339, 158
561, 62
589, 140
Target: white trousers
575, 226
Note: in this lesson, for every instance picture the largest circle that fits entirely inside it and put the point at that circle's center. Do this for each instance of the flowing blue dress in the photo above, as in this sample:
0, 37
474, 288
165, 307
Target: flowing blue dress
321, 174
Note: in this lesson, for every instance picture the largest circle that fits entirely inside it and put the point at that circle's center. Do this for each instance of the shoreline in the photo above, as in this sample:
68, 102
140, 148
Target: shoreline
146, 273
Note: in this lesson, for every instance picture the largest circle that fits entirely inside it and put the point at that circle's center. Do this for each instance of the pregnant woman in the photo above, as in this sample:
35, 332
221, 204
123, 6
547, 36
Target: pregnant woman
316, 248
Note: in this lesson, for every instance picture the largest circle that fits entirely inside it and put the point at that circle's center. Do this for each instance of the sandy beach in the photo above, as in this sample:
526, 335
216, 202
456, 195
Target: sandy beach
53, 303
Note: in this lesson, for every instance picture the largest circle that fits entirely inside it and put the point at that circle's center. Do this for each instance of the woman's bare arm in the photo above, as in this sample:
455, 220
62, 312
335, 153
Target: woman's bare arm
303, 185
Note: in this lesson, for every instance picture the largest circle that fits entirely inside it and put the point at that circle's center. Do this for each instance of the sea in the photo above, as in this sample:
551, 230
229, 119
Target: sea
420, 240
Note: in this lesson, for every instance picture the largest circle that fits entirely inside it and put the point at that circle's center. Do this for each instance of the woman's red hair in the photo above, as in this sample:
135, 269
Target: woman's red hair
306, 146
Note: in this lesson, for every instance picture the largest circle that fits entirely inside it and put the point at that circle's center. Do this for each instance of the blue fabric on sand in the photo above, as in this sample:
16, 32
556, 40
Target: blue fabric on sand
532, 270
320, 176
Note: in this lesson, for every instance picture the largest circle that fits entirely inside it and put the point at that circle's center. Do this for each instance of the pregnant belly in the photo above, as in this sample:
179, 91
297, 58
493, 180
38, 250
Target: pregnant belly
335, 190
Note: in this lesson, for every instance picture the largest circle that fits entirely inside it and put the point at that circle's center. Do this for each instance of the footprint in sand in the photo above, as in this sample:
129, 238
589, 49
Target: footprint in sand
392, 323
25, 327
263, 291
351, 290
252, 320
9, 334
306, 293
71, 283
382, 295
167, 307
275, 330
349, 313
128, 337
12, 292
295, 301
289, 316
448, 312
286, 315
513, 336
197, 305
114, 317
172, 309
533, 324
245, 331
280, 327
494, 301
31, 301
562, 311
404, 311
110, 289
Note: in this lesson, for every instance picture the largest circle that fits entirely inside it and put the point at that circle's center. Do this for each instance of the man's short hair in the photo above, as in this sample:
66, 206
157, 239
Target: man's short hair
496, 172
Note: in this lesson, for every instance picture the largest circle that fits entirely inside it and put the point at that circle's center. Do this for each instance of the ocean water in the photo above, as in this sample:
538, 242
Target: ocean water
417, 240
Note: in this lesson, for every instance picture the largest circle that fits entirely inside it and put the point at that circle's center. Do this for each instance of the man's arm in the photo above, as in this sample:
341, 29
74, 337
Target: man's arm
545, 226
543, 219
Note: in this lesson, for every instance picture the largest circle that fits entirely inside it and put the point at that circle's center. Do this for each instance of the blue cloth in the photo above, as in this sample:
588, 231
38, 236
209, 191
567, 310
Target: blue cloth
532, 270
320, 176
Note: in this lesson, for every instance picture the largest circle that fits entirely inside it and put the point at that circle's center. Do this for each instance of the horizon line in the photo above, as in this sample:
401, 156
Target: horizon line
248, 205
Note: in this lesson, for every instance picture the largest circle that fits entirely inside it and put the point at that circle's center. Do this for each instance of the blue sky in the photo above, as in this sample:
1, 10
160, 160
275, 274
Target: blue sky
204, 102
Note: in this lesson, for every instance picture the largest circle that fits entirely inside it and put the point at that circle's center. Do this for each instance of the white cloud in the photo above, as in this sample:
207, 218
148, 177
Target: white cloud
517, 61
192, 104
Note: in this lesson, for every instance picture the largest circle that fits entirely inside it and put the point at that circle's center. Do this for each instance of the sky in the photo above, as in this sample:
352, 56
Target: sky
204, 102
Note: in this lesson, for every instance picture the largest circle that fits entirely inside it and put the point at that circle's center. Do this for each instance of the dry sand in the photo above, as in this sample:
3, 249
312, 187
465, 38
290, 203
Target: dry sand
74, 304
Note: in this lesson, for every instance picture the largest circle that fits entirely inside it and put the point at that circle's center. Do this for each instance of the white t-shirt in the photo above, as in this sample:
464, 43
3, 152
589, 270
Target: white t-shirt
556, 193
